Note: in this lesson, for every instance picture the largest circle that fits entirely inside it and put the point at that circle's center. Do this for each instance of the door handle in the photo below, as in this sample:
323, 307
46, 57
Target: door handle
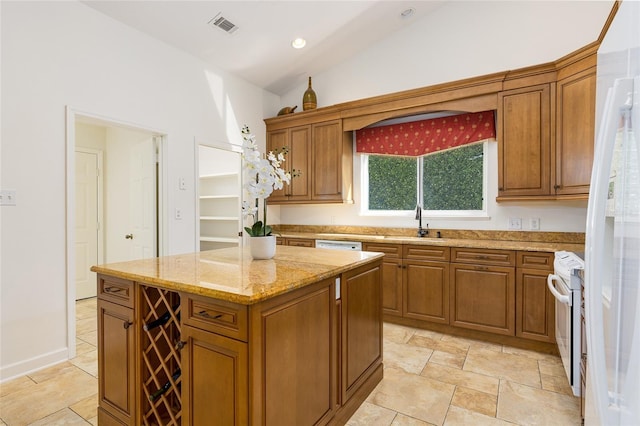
129, 236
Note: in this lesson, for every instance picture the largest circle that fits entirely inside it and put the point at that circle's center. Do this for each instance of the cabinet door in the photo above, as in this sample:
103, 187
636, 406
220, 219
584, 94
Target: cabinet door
327, 161
575, 133
524, 141
361, 327
215, 385
426, 295
300, 164
116, 361
535, 305
482, 298
277, 140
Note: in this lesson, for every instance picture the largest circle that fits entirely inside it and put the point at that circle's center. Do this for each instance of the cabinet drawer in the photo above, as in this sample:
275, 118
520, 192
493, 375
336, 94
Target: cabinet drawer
537, 260
224, 318
300, 242
389, 250
116, 290
427, 253
483, 256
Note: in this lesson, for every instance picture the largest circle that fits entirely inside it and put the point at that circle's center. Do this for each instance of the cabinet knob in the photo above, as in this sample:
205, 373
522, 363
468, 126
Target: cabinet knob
127, 324
128, 237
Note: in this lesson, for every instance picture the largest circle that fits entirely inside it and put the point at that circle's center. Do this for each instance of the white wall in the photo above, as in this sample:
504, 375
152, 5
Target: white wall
461, 39
58, 54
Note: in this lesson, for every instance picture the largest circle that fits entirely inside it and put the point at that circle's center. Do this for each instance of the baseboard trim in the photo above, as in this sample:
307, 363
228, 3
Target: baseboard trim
21, 368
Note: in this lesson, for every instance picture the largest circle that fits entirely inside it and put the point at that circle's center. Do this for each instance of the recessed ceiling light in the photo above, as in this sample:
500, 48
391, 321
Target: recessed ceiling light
298, 43
407, 13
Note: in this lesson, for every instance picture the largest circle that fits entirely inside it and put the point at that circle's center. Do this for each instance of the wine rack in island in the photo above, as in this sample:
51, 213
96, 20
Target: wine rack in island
140, 386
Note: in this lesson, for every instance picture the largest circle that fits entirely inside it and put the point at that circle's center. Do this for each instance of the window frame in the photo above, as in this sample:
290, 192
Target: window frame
457, 214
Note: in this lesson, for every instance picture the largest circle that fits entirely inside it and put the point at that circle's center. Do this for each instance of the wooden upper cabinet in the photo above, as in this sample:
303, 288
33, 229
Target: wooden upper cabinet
297, 141
320, 161
575, 128
524, 138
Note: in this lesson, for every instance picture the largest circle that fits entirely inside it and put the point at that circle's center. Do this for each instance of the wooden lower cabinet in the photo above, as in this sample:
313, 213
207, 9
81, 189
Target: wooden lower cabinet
536, 305
116, 364
483, 298
215, 388
426, 286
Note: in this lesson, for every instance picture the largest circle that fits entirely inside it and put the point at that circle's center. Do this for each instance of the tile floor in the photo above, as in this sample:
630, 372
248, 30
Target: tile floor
430, 379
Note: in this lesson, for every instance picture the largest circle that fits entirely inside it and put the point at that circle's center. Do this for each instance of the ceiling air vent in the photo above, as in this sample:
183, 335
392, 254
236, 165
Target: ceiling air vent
223, 23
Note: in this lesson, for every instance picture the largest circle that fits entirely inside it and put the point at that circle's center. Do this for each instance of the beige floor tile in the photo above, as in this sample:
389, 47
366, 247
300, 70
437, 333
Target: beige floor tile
530, 406
70, 387
370, 415
455, 376
461, 417
507, 366
87, 361
90, 337
2, 423
472, 343
83, 347
411, 359
85, 311
429, 333
429, 342
528, 353
402, 420
415, 396
474, 400
15, 385
86, 325
552, 367
54, 372
62, 417
397, 333
87, 408
448, 359
93, 421
558, 384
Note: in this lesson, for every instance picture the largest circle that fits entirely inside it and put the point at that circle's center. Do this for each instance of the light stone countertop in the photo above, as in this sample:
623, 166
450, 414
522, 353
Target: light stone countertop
232, 275
545, 246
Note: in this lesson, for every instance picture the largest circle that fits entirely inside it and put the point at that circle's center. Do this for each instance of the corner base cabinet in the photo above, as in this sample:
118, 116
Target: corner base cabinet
306, 356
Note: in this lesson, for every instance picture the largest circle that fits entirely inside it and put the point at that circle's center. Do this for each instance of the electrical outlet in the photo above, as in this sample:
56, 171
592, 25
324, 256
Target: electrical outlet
515, 223
534, 223
178, 214
182, 184
7, 197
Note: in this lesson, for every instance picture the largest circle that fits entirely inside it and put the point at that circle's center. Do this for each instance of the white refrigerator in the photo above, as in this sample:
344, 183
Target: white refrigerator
612, 252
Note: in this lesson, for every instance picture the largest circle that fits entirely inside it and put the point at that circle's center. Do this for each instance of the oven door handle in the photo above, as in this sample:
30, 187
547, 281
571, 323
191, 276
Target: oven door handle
565, 299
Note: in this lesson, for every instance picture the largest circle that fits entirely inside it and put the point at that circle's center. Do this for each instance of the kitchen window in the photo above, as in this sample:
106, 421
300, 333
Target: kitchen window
448, 183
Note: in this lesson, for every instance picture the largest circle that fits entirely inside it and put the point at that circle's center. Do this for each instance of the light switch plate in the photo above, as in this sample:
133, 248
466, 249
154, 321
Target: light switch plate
534, 223
8, 197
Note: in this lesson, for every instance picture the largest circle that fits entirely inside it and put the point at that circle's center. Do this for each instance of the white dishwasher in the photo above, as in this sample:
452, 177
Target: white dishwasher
339, 245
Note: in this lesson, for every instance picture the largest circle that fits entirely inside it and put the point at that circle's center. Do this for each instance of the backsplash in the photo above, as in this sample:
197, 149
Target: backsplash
463, 234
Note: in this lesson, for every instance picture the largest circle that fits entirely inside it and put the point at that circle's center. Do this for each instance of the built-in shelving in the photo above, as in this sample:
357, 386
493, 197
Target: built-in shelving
219, 198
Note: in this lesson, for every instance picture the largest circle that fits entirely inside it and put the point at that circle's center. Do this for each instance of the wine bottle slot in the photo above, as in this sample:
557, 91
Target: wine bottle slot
165, 387
162, 320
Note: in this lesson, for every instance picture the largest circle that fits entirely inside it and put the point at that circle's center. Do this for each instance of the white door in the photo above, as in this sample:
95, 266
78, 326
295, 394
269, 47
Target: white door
131, 195
87, 227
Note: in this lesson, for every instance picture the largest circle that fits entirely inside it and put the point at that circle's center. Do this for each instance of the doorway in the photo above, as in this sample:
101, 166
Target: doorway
113, 200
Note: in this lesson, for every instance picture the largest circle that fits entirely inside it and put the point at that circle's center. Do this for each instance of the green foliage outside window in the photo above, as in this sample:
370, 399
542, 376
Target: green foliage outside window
392, 183
451, 180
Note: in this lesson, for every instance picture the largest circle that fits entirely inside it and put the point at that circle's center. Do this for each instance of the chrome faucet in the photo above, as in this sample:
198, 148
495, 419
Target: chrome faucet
421, 232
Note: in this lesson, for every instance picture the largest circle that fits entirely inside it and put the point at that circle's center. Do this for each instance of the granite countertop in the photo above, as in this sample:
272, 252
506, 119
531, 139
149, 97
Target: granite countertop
232, 275
481, 243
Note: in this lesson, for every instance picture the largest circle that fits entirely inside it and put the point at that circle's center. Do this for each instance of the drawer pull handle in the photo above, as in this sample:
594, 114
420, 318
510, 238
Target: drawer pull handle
113, 289
207, 315
482, 268
127, 324
483, 257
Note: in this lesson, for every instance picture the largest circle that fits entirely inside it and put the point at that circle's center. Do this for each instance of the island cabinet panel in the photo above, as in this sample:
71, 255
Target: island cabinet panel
524, 141
116, 363
216, 386
294, 357
361, 327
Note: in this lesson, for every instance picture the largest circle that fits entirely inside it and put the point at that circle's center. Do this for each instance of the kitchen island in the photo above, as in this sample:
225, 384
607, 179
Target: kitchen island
218, 338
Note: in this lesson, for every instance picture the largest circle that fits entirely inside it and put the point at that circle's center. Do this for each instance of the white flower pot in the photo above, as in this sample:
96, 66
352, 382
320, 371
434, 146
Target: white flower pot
263, 247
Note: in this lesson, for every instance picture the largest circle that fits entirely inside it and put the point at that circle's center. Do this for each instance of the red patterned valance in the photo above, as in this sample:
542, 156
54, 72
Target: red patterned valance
423, 137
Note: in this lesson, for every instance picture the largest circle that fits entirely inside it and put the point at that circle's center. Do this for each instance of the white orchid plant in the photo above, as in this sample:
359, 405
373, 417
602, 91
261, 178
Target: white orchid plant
261, 176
